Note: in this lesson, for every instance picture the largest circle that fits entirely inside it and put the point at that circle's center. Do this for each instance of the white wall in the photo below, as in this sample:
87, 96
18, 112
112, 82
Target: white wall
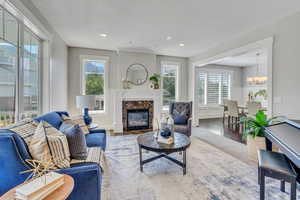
183, 74
114, 80
251, 71
236, 90
55, 74
118, 64
286, 61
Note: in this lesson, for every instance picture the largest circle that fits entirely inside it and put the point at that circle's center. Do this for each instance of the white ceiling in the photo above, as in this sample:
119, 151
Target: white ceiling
244, 60
145, 24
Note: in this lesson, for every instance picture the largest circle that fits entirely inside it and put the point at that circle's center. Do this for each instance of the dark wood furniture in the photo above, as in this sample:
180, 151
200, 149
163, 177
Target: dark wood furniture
277, 166
148, 142
61, 193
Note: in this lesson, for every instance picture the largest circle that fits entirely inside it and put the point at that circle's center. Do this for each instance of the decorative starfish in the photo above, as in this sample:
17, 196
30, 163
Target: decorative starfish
39, 168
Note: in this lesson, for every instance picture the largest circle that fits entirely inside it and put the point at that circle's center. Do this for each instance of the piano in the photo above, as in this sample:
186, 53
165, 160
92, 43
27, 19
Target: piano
286, 136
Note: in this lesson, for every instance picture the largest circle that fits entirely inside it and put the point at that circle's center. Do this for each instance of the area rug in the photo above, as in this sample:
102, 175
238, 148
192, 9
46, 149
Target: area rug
211, 175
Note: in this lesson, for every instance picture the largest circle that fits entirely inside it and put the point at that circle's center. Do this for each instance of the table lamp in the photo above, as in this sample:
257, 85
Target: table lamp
86, 102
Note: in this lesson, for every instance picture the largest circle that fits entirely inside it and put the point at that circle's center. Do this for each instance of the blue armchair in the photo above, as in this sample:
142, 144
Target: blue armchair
13, 152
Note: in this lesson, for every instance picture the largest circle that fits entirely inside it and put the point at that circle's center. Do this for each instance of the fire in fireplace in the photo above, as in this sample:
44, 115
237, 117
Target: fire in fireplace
137, 119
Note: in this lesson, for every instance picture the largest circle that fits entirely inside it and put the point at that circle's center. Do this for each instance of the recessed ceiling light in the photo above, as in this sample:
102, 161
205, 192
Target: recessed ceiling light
169, 38
103, 35
181, 44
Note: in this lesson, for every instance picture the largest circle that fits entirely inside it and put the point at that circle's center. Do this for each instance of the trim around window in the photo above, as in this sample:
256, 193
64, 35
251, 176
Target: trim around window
177, 88
106, 61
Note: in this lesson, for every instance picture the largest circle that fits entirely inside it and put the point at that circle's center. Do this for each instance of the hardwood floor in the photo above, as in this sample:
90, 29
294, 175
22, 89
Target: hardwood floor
217, 127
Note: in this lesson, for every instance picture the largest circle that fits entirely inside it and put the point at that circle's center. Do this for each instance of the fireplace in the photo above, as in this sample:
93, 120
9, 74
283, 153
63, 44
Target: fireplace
137, 116
138, 119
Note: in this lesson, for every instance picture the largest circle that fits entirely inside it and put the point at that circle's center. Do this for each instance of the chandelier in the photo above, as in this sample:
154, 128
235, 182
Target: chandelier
257, 80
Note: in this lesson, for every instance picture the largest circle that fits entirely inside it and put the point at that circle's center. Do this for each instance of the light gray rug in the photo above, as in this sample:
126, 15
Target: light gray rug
211, 175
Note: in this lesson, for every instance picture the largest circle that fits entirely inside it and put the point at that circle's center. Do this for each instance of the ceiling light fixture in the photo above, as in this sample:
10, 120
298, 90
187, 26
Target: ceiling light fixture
181, 45
258, 79
103, 35
169, 38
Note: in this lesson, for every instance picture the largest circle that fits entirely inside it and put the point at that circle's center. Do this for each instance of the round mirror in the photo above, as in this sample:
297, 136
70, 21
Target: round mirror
137, 74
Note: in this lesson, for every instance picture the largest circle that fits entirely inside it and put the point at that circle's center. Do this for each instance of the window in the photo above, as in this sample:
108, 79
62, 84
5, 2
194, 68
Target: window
169, 83
213, 87
94, 81
19, 70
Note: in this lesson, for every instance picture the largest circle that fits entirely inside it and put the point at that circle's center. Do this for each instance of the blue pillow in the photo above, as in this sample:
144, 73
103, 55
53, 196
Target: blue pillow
76, 140
180, 117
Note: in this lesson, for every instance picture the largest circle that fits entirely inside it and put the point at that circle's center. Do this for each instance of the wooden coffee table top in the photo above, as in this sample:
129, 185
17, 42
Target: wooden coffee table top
61, 193
147, 141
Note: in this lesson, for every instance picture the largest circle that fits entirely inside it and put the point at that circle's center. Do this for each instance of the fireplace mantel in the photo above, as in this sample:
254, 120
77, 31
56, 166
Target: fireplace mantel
134, 95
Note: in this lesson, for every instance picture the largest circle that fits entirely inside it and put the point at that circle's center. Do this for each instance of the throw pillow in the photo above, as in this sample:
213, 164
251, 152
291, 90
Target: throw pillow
94, 154
24, 128
38, 146
180, 117
77, 120
58, 146
76, 140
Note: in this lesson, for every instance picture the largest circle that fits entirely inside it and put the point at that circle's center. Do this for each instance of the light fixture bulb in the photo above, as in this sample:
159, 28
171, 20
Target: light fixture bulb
181, 45
104, 35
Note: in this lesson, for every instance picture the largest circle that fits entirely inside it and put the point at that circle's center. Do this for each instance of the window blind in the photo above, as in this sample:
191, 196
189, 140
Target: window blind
213, 87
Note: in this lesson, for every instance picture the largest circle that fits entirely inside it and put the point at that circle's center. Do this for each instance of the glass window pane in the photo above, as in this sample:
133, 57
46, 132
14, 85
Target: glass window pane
31, 76
11, 28
8, 74
94, 81
169, 86
169, 78
1, 23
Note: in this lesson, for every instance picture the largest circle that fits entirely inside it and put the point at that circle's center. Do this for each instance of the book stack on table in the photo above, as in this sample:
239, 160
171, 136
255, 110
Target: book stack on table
40, 188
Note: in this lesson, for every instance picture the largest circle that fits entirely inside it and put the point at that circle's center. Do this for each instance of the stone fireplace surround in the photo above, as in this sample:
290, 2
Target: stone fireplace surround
137, 105
120, 96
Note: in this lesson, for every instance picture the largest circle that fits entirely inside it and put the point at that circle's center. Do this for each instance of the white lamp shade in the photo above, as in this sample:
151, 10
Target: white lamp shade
86, 101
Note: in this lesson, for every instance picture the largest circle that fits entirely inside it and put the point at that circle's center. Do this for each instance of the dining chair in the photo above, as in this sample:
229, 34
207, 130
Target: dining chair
233, 112
225, 111
253, 107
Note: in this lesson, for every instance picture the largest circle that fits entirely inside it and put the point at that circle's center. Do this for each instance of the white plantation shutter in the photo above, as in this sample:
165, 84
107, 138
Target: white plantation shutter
225, 86
213, 87
201, 88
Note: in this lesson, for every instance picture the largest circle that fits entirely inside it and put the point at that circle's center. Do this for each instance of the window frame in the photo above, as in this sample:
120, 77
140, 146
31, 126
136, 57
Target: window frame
106, 61
178, 67
206, 74
19, 76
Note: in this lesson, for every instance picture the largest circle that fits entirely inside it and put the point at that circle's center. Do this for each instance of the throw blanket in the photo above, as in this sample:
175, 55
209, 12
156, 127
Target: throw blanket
95, 154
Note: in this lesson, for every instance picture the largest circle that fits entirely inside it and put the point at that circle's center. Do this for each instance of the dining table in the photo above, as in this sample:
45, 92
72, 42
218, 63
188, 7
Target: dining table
243, 108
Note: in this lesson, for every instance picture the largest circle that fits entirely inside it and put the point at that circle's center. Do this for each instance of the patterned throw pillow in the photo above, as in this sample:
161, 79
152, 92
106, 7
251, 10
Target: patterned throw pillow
58, 145
77, 120
180, 117
38, 146
76, 140
25, 128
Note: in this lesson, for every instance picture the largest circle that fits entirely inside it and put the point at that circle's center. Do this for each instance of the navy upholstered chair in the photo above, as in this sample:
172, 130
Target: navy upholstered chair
13, 152
182, 115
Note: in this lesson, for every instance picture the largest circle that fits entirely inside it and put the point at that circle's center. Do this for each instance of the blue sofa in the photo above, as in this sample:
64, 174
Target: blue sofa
13, 151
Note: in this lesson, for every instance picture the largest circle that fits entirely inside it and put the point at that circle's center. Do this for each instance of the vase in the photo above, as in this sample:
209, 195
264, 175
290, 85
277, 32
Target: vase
154, 86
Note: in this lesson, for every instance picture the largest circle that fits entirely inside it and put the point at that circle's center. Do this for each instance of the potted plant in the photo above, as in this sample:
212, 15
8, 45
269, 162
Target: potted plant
155, 79
255, 132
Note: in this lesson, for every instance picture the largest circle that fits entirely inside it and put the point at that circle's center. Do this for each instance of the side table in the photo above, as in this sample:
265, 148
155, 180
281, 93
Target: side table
61, 193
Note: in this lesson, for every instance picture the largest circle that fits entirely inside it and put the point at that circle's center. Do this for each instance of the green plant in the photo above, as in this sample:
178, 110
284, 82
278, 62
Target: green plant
155, 78
255, 126
262, 93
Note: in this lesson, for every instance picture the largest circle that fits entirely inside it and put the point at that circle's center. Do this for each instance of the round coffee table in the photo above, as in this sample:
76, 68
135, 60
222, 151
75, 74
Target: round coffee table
148, 142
